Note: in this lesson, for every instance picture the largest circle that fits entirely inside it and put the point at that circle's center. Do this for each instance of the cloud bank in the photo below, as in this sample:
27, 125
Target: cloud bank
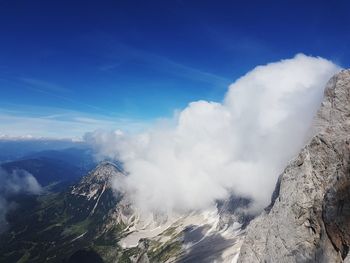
16, 182
210, 149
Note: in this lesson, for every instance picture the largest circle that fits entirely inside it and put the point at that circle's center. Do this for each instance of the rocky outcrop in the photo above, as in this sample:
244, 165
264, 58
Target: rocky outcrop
233, 209
309, 217
97, 179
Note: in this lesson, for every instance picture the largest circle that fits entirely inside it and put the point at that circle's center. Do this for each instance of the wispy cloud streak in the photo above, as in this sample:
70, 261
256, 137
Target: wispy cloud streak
61, 123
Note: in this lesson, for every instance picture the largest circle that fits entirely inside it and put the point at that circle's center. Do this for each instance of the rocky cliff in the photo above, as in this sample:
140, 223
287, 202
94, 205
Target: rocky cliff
309, 217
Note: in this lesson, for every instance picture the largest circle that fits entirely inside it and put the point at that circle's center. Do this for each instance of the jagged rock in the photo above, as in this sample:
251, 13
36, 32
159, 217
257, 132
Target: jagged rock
233, 209
97, 179
308, 219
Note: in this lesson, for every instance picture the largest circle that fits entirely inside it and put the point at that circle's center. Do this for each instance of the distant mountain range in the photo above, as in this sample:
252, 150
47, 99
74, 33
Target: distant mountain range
48, 166
13, 149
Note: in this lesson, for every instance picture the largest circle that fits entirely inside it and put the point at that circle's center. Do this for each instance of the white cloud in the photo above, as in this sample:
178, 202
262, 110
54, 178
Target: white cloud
212, 149
66, 124
16, 182
19, 181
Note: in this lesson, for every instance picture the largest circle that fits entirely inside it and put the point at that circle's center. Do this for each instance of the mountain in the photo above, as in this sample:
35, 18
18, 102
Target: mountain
45, 170
91, 221
82, 157
14, 149
58, 225
59, 167
309, 217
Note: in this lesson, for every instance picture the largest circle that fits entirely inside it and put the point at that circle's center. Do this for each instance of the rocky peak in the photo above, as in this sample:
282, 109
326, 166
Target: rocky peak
334, 114
98, 179
104, 172
308, 218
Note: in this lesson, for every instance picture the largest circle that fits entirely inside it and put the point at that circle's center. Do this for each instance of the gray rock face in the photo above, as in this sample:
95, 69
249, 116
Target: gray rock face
309, 218
233, 210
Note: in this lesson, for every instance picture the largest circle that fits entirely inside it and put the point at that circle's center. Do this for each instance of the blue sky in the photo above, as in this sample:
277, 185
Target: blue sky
67, 67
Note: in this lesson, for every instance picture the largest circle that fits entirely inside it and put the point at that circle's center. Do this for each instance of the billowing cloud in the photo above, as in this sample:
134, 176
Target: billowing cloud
16, 182
210, 149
